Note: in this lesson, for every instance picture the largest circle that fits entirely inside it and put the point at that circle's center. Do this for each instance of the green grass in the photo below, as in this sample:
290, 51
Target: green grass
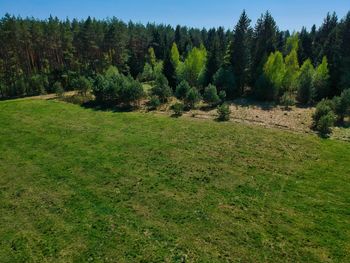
78, 185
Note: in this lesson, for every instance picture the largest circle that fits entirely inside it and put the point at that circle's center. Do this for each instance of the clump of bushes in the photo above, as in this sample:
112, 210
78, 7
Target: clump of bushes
83, 85
211, 95
192, 97
223, 112
154, 103
287, 100
117, 89
330, 111
161, 89
178, 109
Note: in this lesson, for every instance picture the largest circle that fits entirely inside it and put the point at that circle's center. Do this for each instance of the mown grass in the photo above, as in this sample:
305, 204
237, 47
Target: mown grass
78, 185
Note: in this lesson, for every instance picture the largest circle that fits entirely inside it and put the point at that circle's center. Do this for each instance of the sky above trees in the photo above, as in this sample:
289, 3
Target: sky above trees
289, 14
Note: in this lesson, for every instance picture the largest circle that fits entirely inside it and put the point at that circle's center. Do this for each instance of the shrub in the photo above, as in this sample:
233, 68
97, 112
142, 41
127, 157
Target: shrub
324, 116
82, 85
178, 109
117, 89
211, 95
57, 87
223, 112
130, 90
161, 88
222, 95
37, 85
182, 89
325, 123
342, 105
192, 97
154, 103
287, 100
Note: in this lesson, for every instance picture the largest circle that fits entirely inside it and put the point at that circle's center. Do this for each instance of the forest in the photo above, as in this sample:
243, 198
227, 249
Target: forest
112, 58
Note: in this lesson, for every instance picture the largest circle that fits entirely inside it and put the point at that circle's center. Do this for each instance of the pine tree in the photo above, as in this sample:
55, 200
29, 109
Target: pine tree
320, 81
240, 52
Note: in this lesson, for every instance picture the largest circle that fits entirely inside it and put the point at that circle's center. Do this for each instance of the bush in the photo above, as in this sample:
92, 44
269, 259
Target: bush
287, 100
154, 103
211, 95
222, 95
192, 97
324, 116
325, 123
225, 80
161, 88
182, 89
223, 112
342, 105
118, 89
178, 109
57, 87
82, 85
38, 84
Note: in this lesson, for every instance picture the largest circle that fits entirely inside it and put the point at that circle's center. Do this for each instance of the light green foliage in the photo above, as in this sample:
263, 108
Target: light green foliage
111, 72
275, 69
182, 89
194, 64
211, 95
292, 71
80, 185
175, 56
320, 81
292, 43
152, 57
305, 80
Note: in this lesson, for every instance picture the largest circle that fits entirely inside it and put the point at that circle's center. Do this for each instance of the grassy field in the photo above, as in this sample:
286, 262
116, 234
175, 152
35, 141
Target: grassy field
79, 185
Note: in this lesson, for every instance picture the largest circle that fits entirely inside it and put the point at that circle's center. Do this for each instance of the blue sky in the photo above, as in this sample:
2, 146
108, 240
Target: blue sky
289, 14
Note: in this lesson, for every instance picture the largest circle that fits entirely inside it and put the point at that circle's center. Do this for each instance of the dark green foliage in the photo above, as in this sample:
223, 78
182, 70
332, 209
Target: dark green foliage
192, 97
117, 89
182, 89
154, 103
211, 95
178, 109
57, 87
82, 84
224, 79
239, 51
342, 105
305, 83
222, 95
223, 112
264, 89
161, 89
324, 117
37, 84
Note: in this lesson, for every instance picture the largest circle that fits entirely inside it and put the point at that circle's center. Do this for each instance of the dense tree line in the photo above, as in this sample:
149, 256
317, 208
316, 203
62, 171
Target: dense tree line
38, 56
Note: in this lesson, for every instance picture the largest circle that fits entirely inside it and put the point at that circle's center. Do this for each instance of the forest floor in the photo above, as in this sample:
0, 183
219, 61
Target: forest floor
86, 185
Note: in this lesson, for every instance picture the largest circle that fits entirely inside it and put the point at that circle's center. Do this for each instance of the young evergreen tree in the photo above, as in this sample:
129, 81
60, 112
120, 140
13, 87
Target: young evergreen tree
320, 82
305, 89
